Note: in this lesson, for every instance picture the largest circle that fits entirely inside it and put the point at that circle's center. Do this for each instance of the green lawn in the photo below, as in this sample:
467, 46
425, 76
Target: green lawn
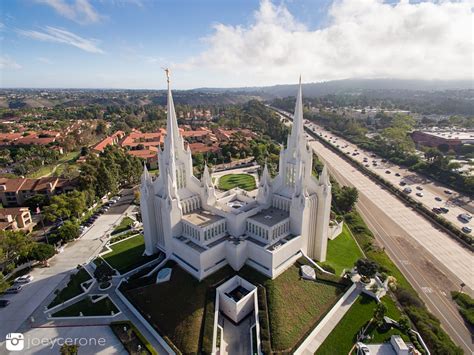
244, 181
102, 308
343, 336
125, 224
128, 254
72, 289
294, 305
343, 252
176, 307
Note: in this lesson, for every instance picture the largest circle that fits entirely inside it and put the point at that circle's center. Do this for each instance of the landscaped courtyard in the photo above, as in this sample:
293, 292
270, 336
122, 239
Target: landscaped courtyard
244, 181
177, 309
343, 252
87, 308
127, 254
72, 289
343, 336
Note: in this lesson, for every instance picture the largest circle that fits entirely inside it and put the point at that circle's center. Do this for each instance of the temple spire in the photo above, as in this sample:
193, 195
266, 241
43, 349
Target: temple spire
297, 131
145, 174
324, 178
172, 132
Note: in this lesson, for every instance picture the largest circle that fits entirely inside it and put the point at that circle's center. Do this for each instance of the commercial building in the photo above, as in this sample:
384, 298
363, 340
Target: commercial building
452, 139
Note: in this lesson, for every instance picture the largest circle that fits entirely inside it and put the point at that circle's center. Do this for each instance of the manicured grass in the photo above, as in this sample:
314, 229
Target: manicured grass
343, 252
128, 254
344, 335
244, 181
72, 289
295, 305
131, 338
176, 308
125, 224
103, 307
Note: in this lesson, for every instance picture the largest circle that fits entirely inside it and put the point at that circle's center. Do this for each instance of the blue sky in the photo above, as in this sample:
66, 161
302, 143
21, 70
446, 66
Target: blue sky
123, 43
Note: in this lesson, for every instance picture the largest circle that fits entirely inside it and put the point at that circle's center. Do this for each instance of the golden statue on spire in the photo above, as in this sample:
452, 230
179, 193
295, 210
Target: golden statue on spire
168, 74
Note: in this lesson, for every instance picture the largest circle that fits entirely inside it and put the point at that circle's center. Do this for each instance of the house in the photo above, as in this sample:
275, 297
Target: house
16, 218
114, 139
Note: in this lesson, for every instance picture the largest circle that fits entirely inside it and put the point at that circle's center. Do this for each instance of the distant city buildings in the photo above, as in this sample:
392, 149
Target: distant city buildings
452, 139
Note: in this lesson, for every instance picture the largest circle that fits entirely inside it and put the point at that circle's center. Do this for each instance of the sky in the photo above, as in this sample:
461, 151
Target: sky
230, 43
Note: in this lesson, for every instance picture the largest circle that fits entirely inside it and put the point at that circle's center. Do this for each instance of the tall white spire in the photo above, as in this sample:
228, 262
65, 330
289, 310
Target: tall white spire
297, 131
172, 132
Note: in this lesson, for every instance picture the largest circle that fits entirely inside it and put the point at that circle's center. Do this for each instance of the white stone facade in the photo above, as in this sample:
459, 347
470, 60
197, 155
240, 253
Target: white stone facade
203, 229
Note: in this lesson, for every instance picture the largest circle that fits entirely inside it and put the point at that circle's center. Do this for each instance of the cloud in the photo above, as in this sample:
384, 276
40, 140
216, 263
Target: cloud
362, 38
57, 35
44, 60
80, 11
8, 63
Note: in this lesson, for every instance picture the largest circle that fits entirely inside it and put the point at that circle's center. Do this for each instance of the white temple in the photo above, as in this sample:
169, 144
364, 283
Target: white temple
203, 229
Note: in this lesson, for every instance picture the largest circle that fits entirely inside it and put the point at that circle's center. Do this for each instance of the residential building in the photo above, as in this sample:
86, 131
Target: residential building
16, 218
14, 192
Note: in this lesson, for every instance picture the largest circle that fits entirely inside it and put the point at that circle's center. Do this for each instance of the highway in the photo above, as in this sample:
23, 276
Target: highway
434, 263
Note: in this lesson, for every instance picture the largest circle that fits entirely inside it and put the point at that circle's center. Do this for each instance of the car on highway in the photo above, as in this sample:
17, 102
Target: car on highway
397, 174
24, 279
388, 172
436, 210
437, 198
384, 160
4, 303
466, 229
14, 289
448, 192
419, 188
367, 165
464, 217
419, 194
444, 209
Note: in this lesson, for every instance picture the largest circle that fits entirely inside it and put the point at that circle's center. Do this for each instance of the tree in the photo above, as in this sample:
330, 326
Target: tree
379, 313
68, 231
103, 272
346, 198
42, 252
69, 349
3, 283
14, 245
366, 268
404, 324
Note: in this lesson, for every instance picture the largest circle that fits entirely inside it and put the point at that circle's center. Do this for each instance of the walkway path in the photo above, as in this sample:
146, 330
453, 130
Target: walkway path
319, 334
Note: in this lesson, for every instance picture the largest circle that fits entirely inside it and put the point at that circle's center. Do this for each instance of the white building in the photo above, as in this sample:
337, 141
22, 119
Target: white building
203, 229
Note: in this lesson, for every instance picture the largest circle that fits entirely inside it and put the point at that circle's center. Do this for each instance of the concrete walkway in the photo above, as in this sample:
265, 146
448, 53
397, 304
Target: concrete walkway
319, 334
236, 338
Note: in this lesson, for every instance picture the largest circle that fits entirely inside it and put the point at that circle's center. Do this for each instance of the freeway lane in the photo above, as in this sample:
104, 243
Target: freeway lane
397, 227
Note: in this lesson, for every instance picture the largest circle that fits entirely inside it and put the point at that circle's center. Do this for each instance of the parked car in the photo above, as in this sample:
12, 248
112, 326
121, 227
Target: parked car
14, 289
4, 303
24, 279
466, 229
419, 194
407, 190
